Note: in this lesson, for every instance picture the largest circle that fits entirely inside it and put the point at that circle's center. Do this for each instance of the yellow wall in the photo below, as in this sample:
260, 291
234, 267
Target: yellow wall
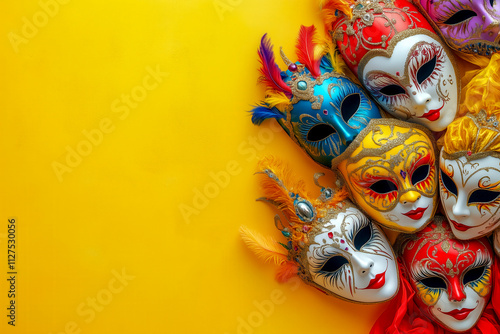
115, 116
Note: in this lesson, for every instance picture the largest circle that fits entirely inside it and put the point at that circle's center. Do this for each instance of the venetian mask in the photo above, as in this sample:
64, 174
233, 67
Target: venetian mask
399, 59
320, 109
332, 245
469, 26
390, 171
470, 175
452, 278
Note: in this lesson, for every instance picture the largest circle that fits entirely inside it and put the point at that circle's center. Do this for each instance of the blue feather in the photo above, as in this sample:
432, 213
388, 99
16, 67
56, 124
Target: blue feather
326, 64
261, 113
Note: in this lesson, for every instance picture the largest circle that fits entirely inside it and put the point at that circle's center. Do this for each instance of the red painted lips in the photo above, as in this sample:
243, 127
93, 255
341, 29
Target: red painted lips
460, 314
433, 114
460, 227
377, 282
415, 214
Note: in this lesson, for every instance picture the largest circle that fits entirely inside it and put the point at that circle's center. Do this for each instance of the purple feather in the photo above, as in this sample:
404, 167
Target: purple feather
271, 73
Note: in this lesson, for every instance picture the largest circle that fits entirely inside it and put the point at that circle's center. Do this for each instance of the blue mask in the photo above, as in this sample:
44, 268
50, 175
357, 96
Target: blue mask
326, 113
324, 128
320, 109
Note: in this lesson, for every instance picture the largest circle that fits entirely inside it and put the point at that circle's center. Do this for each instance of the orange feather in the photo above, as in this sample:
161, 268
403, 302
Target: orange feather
286, 271
330, 9
280, 192
266, 248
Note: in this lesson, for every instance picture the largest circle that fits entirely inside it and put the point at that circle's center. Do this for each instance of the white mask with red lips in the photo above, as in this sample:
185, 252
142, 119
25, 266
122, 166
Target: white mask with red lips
352, 258
417, 82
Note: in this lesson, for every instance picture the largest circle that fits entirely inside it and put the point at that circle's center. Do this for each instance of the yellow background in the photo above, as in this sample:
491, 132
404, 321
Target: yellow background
141, 202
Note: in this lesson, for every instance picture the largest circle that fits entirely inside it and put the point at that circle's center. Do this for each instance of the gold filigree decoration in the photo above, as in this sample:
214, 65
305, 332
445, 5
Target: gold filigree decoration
364, 14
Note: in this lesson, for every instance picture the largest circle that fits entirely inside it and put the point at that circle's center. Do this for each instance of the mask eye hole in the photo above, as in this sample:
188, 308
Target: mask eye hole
363, 236
473, 274
448, 183
460, 16
434, 282
426, 70
492, 2
334, 263
320, 132
391, 90
383, 187
420, 174
483, 196
350, 105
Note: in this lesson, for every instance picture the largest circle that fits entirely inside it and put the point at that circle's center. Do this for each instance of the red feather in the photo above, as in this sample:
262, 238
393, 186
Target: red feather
271, 73
305, 50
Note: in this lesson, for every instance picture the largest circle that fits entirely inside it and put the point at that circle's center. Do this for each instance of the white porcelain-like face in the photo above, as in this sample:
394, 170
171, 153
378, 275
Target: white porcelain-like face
459, 315
417, 82
419, 211
470, 193
352, 258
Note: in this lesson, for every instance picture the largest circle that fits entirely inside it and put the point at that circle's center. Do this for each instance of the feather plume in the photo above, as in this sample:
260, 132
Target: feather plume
336, 61
306, 44
319, 50
340, 195
286, 271
279, 191
271, 73
277, 99
261, 113
266, 248
331, 9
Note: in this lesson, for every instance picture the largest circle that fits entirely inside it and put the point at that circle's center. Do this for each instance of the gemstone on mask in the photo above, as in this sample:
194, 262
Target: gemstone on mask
302, 85
304, 210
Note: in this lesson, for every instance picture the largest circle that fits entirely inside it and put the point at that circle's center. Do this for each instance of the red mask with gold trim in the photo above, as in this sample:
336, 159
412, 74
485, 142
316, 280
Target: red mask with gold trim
452, 278
399, 59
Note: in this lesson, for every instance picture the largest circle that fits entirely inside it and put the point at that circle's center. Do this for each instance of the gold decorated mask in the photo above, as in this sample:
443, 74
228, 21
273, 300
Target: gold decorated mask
390, 171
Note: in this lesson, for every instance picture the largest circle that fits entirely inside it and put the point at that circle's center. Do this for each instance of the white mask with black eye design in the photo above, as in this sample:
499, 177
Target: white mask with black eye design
352, 258
470, 193
417, 82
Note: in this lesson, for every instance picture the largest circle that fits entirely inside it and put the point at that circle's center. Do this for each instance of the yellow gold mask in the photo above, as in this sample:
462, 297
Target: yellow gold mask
390, 171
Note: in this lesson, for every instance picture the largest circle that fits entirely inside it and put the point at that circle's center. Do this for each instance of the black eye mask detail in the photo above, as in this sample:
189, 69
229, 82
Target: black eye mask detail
320, 132
334, 263
460, 16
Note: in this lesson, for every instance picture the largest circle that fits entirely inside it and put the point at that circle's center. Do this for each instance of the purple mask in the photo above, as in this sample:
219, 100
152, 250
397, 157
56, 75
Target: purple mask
469, 26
